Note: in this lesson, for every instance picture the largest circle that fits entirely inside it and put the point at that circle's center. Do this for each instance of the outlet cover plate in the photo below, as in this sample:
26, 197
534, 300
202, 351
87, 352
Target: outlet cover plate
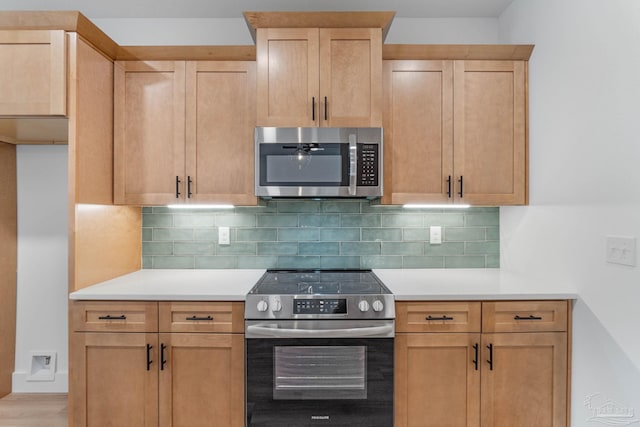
621, 250
435, 235
223, 236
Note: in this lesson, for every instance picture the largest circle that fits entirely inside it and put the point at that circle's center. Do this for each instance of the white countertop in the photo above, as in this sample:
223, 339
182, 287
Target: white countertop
174, 285
406, 285
470, 284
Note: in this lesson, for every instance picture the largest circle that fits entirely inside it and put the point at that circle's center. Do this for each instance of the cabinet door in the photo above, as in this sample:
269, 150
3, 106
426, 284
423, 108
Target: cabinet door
149, 132
527, 383
219, 132
33, 73
436, 380
418, 131
202, 381
490, 132
112, 384
351, 77
288, 80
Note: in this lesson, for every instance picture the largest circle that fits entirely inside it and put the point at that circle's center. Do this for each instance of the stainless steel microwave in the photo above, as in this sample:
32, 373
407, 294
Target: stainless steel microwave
318, 162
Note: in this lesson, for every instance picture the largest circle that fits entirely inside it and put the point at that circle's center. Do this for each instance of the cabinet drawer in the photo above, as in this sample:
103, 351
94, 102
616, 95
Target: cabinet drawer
438, 317
524, 316
202, 317
109, 316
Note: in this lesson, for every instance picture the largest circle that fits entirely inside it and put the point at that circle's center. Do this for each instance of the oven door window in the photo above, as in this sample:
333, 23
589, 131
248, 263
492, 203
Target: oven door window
320, 372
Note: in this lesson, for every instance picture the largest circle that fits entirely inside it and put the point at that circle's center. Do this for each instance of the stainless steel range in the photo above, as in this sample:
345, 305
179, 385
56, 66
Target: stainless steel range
319, 349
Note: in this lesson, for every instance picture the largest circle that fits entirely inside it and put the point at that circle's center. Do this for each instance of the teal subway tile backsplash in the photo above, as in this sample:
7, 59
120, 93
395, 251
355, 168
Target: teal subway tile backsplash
320, 234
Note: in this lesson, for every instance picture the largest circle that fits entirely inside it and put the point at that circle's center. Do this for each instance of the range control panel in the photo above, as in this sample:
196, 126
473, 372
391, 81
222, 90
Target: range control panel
320, 306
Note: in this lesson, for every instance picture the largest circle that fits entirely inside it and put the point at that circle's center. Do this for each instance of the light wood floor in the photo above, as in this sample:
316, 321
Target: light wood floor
34, 410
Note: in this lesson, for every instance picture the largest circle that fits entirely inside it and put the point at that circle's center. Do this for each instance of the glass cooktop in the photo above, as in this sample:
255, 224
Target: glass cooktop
319, 282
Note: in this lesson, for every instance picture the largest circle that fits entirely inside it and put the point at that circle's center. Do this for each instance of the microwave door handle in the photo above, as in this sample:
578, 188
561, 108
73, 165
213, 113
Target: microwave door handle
267, 331
353, 164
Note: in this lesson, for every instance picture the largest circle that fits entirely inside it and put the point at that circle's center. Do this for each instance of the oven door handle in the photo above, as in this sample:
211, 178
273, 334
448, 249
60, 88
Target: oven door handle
272, 331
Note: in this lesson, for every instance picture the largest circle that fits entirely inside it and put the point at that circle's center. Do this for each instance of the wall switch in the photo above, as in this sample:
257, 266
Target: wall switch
435, 235
223, 236
621, 250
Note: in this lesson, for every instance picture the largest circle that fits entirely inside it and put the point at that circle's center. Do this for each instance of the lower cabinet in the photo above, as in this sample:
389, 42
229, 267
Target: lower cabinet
451, 369
149, 375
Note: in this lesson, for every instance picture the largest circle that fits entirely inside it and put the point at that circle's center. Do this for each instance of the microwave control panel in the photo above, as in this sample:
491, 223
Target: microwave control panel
368, 165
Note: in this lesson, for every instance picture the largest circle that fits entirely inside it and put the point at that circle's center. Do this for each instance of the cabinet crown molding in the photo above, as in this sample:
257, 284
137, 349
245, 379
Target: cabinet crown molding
486, 52
319, 20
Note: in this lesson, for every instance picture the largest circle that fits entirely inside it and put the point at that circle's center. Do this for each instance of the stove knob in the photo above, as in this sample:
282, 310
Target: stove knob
262, 305
377, 305
363, 305
277, 305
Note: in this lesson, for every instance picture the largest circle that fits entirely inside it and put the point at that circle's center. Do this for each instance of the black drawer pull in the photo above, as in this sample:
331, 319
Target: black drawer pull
163, 361
530, 317
110, 317
149, 361
195, 318
490, 360
475, 360
445, 317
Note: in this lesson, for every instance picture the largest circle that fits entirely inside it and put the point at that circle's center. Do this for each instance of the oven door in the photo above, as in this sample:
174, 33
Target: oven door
319, 381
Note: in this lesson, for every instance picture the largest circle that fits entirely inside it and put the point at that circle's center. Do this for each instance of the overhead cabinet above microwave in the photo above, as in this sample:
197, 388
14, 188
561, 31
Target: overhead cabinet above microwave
328, 77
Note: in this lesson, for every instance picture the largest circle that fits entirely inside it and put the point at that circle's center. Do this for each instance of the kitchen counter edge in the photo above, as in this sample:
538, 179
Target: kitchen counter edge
405, 284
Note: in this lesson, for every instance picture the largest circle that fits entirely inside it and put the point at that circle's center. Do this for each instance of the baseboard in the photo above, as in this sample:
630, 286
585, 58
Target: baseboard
60, 384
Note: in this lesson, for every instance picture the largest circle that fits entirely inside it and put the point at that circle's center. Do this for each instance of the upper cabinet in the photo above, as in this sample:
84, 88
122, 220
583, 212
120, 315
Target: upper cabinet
418, 131
184, 132
319, 77
455, 132
319, 68
489, 135
33, 79
149, 120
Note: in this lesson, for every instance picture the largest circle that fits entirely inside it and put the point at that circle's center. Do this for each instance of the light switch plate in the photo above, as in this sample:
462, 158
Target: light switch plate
223, 236
435, 235
621, 250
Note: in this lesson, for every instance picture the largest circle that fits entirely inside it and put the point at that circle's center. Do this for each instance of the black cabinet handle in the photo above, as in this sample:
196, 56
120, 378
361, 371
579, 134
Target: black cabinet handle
449, 186
189, 182
490, 361
110, 317
149, 361
313, 108
325, 108
163, 361
178, 186
460, 181
194, 317
445, 317
529, 317
475, 359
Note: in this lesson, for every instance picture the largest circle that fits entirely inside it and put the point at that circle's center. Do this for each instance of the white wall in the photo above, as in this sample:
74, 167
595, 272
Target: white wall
234, 31
584, 181
41, 321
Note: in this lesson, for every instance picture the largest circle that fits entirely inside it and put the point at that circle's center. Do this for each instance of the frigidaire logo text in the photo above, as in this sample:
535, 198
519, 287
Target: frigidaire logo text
319, 417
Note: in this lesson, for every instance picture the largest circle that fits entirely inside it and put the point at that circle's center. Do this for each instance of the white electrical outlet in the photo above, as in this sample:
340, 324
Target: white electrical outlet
223, 236
621, 250
435, 235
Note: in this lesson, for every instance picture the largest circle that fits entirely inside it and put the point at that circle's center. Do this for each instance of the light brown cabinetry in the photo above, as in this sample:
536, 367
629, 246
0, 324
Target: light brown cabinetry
455, 132
33, 73
319, 77
158, 364
184, 132
451, 371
